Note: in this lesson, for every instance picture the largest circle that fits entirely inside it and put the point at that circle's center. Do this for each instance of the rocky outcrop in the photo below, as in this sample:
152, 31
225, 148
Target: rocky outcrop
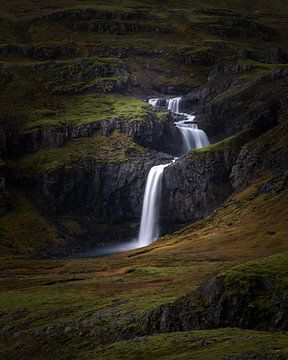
47, 51
86, 75
120, 28
197, 184
159, 134
269, 55
240, 26
220, 102
96, 20
190, 56
251, 356
86, 13
104, 192
247, 300
200, 182
263, 156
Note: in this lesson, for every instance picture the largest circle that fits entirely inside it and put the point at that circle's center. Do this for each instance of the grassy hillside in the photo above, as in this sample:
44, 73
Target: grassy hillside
75, 306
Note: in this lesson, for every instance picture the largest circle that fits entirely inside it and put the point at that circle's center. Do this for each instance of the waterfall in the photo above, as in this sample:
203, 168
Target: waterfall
173, 104
193, 138
149, 228
154, 102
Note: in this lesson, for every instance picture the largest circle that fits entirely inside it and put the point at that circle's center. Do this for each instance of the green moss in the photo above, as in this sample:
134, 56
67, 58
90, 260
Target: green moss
274, 268
212, 345
101, 85
116, 148
71, 226
23, 230
83, 109
5, 198
226, 144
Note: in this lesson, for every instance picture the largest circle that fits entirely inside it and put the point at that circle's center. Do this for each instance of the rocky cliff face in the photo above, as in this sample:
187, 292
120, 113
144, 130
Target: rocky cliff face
104, 197
197, 184
246, 299
156, 133
220, 102
109, 192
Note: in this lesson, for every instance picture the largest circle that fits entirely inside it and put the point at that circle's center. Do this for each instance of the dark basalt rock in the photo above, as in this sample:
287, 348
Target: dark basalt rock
197, 184
240, 26
262, 156
249, 356
93, 13
120, 22
158, 134
75, 76
96, 188
206, 57
120, 28
220, 102
216, 305
94, 192
52, 51
269, 55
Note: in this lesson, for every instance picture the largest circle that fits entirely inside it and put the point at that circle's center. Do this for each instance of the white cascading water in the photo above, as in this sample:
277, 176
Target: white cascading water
173, 104
149, 228
154, 102
193, 138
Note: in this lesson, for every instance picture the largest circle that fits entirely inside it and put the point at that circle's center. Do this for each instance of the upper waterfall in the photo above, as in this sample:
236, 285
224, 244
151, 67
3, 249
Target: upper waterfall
193, 137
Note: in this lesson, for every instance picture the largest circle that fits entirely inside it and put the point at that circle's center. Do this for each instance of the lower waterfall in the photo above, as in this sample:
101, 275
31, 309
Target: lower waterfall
149, 228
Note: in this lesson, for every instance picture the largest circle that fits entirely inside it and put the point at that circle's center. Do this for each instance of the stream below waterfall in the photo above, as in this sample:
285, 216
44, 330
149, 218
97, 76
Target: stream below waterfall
150, 230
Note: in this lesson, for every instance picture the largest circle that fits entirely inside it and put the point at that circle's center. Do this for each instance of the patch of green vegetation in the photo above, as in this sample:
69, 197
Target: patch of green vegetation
23, 230
5, 199
101, 85
184, 82
274, 268
71, 226
153, 272
115, 148
226, 144
210, 345
83, 109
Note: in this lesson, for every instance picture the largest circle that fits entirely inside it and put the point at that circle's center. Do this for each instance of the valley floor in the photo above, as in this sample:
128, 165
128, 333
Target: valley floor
94, 308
